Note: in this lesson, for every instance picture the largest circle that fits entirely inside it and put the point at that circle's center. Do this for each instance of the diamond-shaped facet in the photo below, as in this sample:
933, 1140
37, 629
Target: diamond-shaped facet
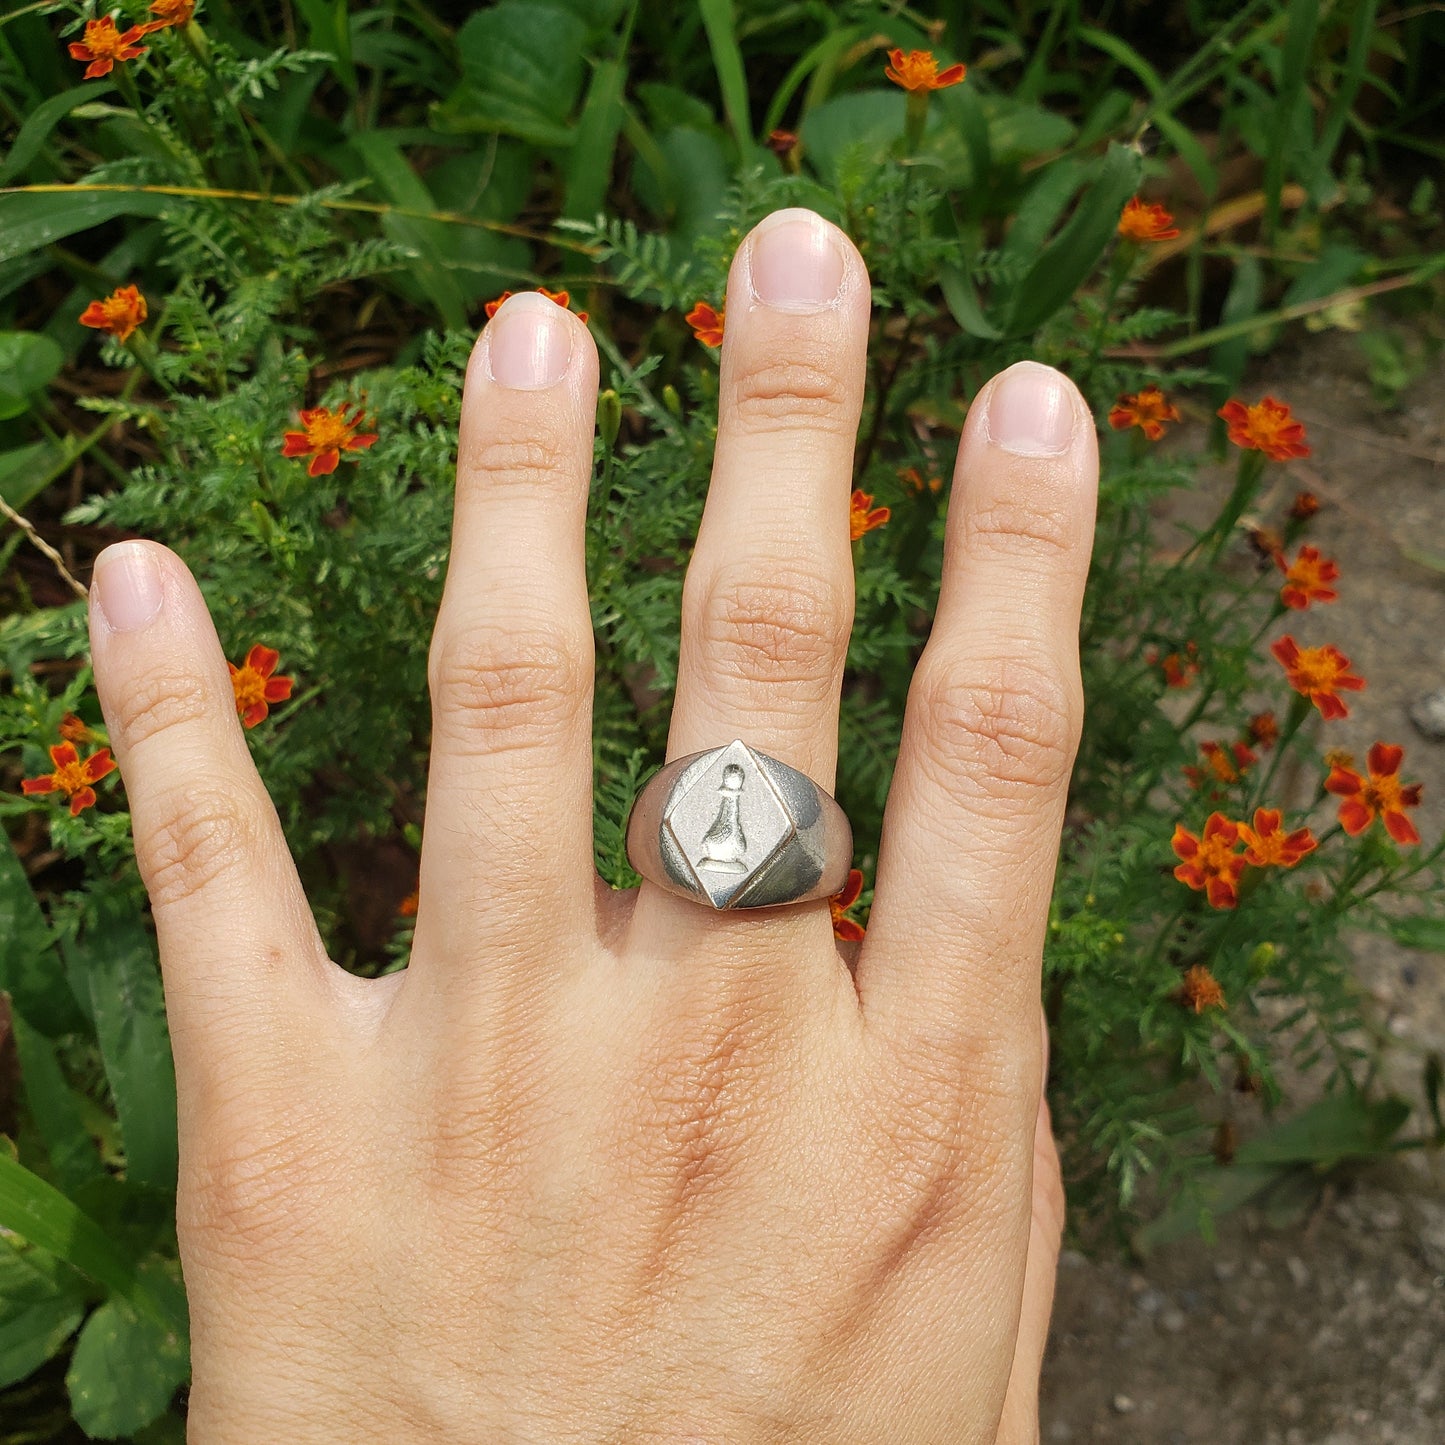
728, 823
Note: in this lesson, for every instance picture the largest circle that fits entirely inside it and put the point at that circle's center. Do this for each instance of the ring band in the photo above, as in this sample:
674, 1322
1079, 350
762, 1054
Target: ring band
731, 827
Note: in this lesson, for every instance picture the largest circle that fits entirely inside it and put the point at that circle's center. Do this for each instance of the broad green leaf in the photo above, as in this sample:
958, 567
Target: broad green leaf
40, 122
26, 472
1219, 1191
29, 362
1241, 302
54, 1107
522, 71
399, 183
117, 957
1338, 1127
40, 1213
1018, 132
329, 28
30, 968
41, 1304
1422, 931
126, 1367
868, 119
1039, 210
1067, 260
32, 219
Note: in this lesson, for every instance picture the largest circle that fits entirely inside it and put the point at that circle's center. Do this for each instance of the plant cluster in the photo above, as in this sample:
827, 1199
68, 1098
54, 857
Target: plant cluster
243, 253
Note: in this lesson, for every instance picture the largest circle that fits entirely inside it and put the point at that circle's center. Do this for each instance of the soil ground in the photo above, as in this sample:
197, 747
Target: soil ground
1324, 1325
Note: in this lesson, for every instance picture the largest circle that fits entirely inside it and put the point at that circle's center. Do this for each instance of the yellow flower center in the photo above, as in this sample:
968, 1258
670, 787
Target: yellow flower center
250, 687
329, 431
71, 777
1265, 423
1216, 856
103, 39
1382, 793
1316, 670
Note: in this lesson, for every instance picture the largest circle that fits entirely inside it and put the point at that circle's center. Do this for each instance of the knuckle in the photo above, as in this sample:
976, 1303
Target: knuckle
156, 701
1018, 526
503, 459
786, 626
1003, 725
203, 834
775, 394
527, 683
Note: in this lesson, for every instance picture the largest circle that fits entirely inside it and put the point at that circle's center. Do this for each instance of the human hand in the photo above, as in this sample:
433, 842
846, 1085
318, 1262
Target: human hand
609, 1166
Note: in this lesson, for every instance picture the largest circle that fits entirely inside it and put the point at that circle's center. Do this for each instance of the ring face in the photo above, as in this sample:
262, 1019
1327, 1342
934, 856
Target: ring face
727, 823
732, 827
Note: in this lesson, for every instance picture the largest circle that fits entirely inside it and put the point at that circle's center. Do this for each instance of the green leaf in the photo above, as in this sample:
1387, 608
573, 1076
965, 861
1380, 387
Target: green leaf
29, 362
27, 471
589, 164
30, 969
126, 1367
522, 71
1337, 1127
54, 1107
959, 293
1422, 931
1230, 356
117, 957
1068, 259
40, 1213
32, 219
40, 122
41, 1303
721, 25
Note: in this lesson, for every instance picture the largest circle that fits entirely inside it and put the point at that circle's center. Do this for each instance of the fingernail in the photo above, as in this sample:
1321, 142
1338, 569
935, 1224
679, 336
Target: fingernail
529, 342
796, 262
1030, 411
127, 584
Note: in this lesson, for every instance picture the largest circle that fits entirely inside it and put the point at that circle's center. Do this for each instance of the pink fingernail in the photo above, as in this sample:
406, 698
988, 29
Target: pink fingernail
529, 342
796, 262
1031, 411
127, 585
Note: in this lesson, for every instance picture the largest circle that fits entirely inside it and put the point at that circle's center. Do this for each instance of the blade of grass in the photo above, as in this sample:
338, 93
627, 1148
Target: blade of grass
727, 59
1299, 37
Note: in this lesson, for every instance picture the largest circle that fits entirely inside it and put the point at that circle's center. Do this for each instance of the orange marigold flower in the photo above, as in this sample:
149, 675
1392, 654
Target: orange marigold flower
171, 12
918, 70
912, 478
256, 689
1268, 426
562, 298
1263, 729
707, 323
328, 433
1305, 505
120, 313
1223, 766
861, 519
1147, 409
1200, 990
1380, 795
1209, 864
1179, 668
104, 45
841, 902
1146, 221
1318, 673
76, 730
1307, 579
1268, 845
71, 776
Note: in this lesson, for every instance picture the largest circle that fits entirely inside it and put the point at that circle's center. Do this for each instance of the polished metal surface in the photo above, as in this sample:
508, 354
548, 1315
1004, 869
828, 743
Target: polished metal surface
734, 828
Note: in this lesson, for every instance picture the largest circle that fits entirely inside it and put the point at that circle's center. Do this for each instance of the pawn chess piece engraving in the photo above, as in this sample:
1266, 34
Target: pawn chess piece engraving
724, 843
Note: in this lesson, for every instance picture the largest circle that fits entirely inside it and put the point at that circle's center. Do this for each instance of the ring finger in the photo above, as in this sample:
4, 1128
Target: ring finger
768, 600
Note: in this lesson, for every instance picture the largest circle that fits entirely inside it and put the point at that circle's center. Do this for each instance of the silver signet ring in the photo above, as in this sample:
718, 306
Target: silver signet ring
734, 828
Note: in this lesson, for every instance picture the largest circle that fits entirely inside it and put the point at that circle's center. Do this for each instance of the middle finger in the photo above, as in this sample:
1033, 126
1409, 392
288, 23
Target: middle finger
768, 600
